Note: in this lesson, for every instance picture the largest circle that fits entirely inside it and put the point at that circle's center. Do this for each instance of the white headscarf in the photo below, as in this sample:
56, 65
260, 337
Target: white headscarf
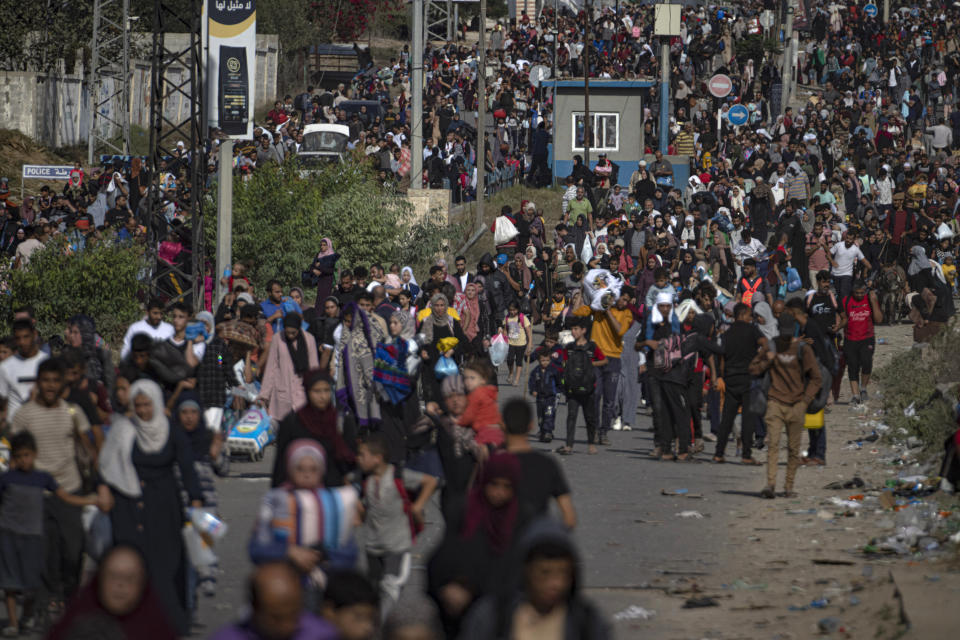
769, 327
413, 279
150, 436
663, 297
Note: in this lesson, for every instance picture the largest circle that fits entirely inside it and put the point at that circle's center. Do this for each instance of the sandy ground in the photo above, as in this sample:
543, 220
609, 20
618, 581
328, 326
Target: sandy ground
783, 558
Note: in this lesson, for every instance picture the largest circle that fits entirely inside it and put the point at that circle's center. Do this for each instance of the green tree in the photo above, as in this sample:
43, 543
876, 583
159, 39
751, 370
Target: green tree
279, 218
103, 281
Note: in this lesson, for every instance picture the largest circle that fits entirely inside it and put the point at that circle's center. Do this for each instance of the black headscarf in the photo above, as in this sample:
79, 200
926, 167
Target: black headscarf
298, 346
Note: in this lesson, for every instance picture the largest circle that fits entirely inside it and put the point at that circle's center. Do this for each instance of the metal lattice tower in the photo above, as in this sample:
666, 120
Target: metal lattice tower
176, 114
438, 21
110, 79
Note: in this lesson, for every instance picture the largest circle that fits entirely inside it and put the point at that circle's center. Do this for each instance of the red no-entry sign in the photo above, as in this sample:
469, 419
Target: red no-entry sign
720, 85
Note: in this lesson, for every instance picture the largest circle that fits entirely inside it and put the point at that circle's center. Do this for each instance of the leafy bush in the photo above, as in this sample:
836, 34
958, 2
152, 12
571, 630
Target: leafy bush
280, 217
103, 281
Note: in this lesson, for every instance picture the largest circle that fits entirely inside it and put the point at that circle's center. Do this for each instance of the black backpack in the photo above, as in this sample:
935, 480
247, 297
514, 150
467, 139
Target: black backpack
579, 375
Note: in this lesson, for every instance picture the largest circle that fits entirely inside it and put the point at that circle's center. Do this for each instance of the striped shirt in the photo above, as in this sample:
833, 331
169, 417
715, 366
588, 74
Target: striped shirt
53, 428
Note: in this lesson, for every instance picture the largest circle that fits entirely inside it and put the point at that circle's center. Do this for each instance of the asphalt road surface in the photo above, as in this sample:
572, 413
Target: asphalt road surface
628, 532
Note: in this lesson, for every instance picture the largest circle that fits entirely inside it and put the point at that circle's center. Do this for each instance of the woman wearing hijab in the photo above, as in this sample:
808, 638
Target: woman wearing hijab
409, 282
304, 522
357, 344
919, 271
436, 326
288, 359
118, 603
317, 420
473, 559
324, 270
470, 319
644, 278
137, 467
395, 379
767, 324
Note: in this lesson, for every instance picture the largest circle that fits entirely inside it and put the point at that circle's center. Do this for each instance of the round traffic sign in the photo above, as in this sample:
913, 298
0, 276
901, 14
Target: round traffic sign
766, 19
871, 10
738, 115
720, 85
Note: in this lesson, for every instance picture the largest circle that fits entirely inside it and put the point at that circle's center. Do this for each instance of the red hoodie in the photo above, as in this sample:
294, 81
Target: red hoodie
483, 416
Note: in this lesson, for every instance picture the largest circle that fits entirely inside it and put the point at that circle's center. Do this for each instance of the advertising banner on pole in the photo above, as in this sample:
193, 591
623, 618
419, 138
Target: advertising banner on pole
230, 39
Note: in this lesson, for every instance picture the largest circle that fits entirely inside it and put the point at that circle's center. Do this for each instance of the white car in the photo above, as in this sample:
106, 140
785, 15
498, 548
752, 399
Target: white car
322, 143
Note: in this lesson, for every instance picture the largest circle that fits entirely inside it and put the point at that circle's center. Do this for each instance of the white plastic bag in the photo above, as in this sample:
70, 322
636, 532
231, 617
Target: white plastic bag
504, 231
498, 349
944, 232
199, 552
597, 284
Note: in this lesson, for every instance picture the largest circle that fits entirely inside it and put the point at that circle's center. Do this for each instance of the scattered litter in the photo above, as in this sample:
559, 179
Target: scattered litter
638, 521
634, 612
743, 585
910, 411
819, 603
801, 512
854, 601
823, 514
680, 493
832, 561
932, 578
955, 538
698, 603
690, 514
828, 625
849, 504
854, 483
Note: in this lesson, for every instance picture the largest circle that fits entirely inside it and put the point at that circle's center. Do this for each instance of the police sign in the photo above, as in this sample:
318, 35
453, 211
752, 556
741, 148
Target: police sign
46, 172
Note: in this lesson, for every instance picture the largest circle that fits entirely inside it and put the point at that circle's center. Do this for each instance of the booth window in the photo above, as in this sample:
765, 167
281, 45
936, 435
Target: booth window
606, 131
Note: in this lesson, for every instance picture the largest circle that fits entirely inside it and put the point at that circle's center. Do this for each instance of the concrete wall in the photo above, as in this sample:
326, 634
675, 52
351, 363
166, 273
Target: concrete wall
55, 110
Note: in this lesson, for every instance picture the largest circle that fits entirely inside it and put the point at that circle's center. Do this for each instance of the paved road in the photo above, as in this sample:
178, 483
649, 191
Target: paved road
628, 532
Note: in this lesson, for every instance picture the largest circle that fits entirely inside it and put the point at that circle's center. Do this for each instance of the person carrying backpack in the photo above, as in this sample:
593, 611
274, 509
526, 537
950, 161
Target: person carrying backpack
661, 321
673, 356
580, 360
795, 381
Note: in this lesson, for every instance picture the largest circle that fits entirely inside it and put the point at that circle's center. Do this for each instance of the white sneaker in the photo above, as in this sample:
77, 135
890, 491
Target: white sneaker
617, 425
627, 427
709, 437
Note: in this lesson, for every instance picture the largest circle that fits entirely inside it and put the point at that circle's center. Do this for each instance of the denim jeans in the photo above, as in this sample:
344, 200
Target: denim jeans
608, 383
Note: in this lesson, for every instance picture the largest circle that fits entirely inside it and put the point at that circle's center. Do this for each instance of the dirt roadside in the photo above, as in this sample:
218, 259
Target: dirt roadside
795, 568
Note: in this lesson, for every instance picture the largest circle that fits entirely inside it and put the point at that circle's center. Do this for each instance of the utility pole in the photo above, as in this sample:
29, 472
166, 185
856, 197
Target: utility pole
224, 216
587, 123
787, 68
416, 88
110, 60
886, 11
481, 112
664, 126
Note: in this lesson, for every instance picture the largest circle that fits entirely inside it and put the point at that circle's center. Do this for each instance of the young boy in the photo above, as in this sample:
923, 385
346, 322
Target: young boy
661, 284
541, 476
21, 528
390, 519
579, 380
544, 385
350, 603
